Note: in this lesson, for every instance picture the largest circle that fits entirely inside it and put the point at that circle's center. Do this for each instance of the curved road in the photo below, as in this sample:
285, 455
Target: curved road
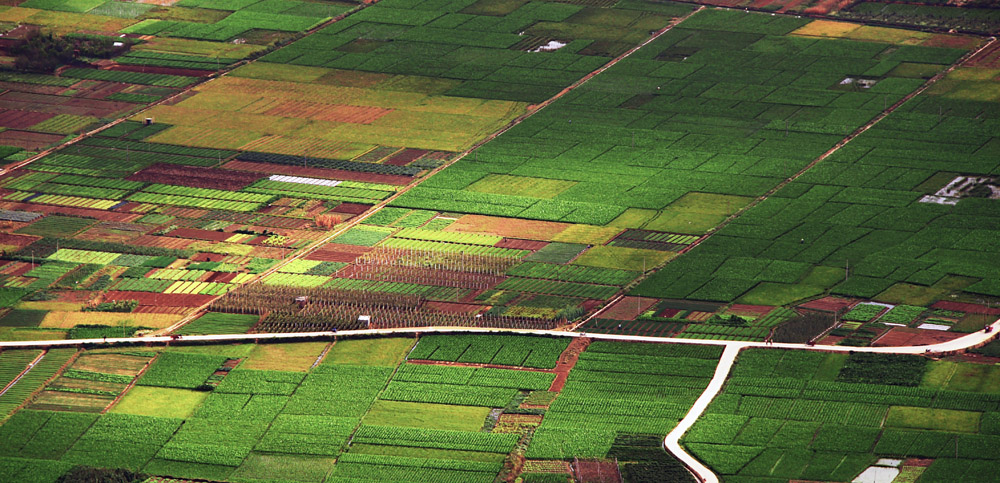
671, 442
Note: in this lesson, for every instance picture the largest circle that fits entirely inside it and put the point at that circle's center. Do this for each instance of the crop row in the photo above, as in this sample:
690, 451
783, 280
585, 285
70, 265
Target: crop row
568, 289
453, 248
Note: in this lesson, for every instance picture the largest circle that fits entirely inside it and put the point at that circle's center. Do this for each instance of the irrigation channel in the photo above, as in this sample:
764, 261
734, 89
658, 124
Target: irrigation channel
671, 443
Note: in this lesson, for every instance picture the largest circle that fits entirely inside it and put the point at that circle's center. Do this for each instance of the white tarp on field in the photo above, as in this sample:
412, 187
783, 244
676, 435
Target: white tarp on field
301, 180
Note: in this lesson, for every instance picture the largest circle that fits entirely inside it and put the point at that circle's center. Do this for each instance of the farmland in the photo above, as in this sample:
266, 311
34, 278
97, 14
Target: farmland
408, 420
629, 167
795, 415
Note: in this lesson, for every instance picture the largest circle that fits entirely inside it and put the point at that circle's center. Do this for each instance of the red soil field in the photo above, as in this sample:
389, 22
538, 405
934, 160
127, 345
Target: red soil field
905, 336
952, 42
196, 177
517, 244
335, 252
151, 69
32, 141
17, 240
964, 307
351, 208
827, 304
319, 173
597, 471
169, 300
162, 242
757, 310
405, 157
628, 308
102, 90
61, 104
221, 277
32, 88
15, 119
451, 307
282, 222
566, 362
508, 227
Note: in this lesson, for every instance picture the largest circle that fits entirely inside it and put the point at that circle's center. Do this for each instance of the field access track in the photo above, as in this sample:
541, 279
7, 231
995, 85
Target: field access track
671, 442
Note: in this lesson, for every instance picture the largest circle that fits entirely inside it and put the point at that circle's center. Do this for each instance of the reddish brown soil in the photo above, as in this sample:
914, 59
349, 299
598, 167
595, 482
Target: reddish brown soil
828, 304
517, 244
905, 336
628, 308
32, 141
758, 310
195, 176
924, 462
508, 227
208, 257
953, 42
283, 222
161, 70
162, 242
318, 173
335, 252
968, 308
451, 307
405, 157
597, 471
17, 240
55, 104
566, 362
14, 119
351, 208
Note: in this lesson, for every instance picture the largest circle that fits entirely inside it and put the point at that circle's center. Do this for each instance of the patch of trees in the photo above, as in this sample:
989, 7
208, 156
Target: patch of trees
45, 52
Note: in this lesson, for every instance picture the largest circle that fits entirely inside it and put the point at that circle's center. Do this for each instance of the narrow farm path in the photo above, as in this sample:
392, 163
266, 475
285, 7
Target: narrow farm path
341, 229
25, 371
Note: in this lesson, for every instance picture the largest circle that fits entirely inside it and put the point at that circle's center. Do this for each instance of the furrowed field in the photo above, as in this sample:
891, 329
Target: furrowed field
289, 412
830, 417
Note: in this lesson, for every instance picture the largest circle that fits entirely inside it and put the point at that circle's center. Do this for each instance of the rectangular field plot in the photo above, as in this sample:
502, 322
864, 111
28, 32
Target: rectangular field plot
491, 349
780, 403
660, 126
604, 397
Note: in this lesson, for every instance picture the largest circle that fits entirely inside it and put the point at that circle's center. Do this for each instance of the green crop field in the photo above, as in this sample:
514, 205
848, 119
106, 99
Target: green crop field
722, 170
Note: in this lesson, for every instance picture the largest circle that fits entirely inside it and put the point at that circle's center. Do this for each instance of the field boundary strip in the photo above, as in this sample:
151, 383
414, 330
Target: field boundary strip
305, 251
